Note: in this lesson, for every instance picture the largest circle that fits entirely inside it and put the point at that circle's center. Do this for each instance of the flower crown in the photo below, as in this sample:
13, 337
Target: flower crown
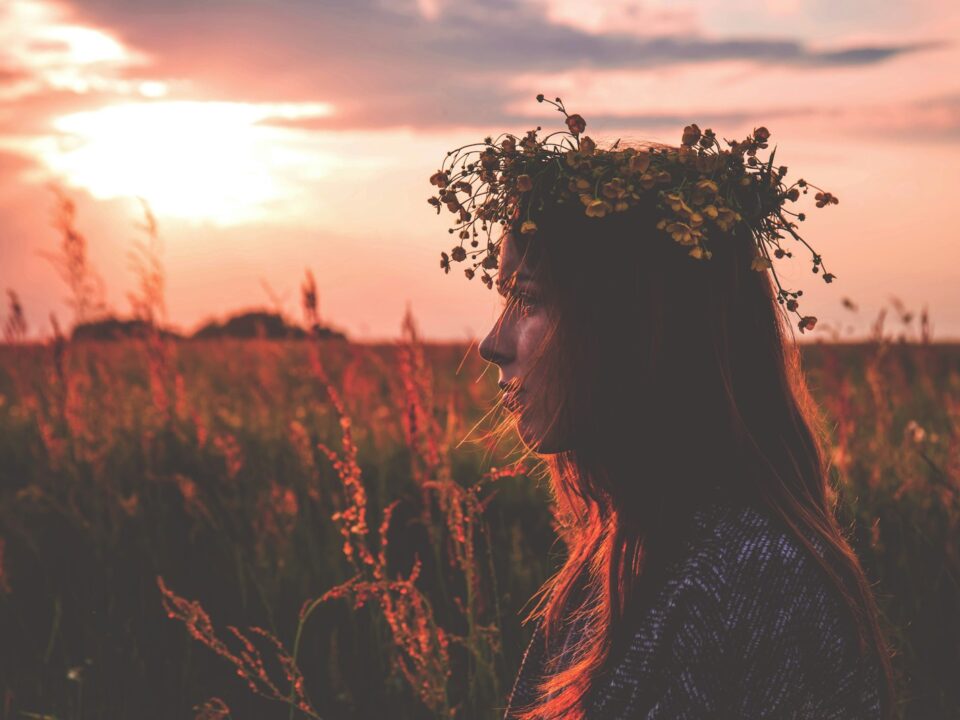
699, 187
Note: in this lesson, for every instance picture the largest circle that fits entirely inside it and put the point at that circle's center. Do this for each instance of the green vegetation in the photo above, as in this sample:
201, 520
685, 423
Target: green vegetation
213, 468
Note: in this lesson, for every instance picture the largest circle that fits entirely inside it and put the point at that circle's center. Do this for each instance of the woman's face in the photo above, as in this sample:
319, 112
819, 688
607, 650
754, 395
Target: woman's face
511, 344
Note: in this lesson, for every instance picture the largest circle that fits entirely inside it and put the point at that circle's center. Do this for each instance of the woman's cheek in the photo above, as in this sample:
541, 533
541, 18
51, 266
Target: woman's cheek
530, 336
530, 332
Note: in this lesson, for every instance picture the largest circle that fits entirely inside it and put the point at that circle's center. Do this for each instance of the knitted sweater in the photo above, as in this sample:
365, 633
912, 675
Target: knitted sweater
746, 625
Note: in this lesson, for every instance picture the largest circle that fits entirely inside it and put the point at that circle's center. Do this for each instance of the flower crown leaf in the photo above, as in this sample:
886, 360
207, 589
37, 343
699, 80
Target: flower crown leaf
700, 188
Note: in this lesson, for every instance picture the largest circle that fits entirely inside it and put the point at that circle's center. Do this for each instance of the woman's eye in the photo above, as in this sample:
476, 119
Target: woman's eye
525, 300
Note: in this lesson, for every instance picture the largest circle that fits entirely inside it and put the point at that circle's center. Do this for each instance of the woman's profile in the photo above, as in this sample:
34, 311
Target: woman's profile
644, 357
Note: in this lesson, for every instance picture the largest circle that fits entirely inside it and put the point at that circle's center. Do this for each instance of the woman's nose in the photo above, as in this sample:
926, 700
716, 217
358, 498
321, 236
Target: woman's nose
494, 346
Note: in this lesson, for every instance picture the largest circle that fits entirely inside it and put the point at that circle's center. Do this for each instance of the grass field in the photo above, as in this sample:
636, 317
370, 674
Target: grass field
288, 529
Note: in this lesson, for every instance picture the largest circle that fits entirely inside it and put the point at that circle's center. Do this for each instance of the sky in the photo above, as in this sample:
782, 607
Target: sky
274, 136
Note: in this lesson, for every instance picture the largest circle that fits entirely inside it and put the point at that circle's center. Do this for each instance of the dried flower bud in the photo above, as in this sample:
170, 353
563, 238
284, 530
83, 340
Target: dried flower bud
691, 133
807, 322
576, 124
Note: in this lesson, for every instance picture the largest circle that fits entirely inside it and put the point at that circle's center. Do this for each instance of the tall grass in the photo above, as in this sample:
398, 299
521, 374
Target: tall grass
294, 529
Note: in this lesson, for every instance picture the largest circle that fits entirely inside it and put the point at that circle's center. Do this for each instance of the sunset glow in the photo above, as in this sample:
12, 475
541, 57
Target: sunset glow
52, 52
269, 141
195, 160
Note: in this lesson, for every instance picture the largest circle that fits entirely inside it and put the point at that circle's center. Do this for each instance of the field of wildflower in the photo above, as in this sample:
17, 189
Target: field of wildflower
293, 529
316, 528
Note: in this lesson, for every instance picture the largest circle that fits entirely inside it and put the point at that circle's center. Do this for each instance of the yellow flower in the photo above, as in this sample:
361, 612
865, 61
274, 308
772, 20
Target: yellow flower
710, 211
707, 186
726, 218
678, 205
640, 162
614, 189
598, 208
681, 232
529, 226
760, 263
675, 200
697, 252
587, 145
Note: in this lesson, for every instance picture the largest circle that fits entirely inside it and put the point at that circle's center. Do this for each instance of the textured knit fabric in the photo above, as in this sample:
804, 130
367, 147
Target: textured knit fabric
745, 625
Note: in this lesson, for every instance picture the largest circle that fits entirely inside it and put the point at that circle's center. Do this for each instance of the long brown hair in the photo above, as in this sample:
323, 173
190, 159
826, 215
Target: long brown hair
678, 383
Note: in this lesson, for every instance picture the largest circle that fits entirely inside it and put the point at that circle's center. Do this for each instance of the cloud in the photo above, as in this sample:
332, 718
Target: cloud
872, 54
424, 65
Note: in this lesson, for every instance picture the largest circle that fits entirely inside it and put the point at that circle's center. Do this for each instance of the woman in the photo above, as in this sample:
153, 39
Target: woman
706, 575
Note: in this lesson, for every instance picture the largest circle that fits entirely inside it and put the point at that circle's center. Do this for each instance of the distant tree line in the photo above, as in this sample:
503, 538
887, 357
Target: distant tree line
250, 324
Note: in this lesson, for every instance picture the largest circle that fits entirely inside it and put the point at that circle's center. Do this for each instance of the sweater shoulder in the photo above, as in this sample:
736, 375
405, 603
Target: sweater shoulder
746, 543
756, 577
738, 560
785, 623
772, 588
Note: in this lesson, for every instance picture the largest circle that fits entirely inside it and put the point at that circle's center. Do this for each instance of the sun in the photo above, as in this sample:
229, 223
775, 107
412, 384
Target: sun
216, 161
